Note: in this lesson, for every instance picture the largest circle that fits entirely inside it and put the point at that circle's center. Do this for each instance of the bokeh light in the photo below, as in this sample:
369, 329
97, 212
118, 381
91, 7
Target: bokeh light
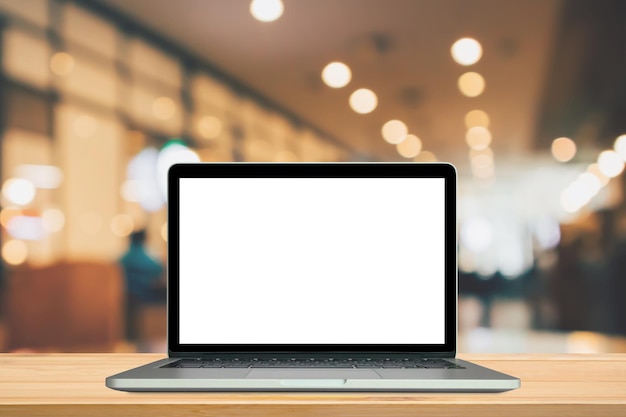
7, 214
410, 147
610, 163
42, 176
174, 152
471, 84
62, 64
266, 10
142, 170
476, 118
26, 228
595, 170
547, 232
394, 131
466, 51
620, 146
19, 191
563, 149
336, 75
363, 101
14, 252
476, 234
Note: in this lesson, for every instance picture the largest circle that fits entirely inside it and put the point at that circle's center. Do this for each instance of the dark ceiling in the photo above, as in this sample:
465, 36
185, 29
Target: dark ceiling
585, 91
553, 67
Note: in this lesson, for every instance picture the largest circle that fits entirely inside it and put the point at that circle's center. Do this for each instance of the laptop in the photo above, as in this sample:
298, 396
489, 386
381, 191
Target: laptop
312, 277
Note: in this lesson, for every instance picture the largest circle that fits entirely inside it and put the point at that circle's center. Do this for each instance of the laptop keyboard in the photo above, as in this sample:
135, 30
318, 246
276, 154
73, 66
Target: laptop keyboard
405, 363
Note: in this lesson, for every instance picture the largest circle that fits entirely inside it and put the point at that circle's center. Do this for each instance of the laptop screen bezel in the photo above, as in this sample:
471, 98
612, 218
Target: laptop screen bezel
312, 170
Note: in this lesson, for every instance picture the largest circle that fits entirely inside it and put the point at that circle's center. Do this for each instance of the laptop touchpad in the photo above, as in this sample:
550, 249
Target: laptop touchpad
330, 374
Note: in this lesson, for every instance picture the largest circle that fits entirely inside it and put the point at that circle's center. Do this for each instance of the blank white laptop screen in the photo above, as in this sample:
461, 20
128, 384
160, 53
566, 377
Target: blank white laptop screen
312, 261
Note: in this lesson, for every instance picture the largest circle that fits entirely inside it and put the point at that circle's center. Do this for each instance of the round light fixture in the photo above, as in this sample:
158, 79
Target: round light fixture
363, 101
476, 118
336, 75
394, 131
266, 10
410, 147
471, 84
466, 51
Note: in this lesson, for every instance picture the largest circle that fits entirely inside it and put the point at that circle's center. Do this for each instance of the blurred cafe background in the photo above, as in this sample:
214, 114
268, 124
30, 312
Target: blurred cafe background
527, 98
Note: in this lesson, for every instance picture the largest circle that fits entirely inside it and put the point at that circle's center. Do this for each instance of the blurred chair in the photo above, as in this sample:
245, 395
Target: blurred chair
69, 307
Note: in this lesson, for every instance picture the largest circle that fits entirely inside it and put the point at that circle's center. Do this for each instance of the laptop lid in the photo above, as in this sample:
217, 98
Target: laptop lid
324, 258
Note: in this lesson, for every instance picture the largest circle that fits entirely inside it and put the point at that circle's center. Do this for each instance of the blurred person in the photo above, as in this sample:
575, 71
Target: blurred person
145, 281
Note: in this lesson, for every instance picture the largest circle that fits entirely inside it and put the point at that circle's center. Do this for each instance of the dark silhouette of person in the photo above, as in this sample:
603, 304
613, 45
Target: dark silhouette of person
145, 283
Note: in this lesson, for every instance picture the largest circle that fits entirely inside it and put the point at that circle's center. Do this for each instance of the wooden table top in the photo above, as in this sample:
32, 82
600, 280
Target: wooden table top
73, 385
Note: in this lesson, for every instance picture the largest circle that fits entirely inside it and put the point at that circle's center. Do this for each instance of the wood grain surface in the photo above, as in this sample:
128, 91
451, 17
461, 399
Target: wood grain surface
73, 385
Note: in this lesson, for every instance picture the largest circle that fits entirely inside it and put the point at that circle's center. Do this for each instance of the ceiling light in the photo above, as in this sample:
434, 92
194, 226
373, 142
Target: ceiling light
336, 74
363, 101
478, 137
563, 149
610, 163
466, 51
266, 10
471, 84
476, 118
394, 131
410, 147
